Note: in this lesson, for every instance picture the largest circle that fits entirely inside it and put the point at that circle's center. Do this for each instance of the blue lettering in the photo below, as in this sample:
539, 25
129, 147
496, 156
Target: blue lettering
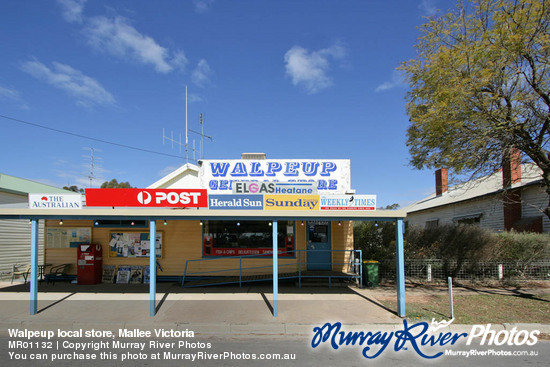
219, 169
273, 168
310, 168
213, 184
332, 184
328, 167
224, 185
331, 333
405, 335
322, 185
292, 169
255, 170
378, 338
239, 170
320, 337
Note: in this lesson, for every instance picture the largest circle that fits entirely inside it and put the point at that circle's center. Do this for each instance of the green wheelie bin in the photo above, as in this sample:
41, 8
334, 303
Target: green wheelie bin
370, 273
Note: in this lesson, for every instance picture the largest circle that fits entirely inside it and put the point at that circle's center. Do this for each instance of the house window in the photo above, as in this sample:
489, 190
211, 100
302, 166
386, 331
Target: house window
241, 238
472, 219
432, 223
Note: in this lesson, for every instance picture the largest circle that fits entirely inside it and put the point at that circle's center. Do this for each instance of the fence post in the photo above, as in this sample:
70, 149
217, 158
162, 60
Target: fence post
500, 271
429, 272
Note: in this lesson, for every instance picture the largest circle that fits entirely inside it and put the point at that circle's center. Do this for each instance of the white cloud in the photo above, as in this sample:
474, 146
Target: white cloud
309, 68
13, 96
72, 10
428, 7
120, 39
202, 6
201, 74
85, 89
193, 97
398, 79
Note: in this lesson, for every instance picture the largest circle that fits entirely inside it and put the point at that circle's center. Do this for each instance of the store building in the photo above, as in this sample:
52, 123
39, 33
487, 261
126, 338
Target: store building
221, 218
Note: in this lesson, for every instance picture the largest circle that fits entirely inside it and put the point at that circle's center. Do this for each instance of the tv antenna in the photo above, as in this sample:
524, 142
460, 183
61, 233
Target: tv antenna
179, 142
202, 135
92, 165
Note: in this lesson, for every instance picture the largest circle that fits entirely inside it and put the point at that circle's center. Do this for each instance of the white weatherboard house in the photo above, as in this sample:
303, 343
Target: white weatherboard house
511, 198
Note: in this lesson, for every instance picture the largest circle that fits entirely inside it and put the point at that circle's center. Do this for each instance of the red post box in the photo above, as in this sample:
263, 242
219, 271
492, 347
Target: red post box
89, 263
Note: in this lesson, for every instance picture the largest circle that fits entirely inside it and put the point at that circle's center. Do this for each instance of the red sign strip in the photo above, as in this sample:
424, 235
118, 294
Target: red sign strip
160, 198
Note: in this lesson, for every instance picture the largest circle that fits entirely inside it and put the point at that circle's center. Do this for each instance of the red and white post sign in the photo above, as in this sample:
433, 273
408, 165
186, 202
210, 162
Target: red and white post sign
160, 198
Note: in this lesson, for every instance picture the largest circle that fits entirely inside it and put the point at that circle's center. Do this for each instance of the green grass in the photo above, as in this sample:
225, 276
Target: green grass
479, 309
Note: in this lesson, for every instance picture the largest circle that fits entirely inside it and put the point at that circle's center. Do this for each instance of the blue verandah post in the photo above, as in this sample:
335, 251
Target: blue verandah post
34, 267
400, 263
152, 267
275, 271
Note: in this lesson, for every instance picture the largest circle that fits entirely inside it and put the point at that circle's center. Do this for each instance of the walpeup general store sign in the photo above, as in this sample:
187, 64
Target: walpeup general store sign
267, 184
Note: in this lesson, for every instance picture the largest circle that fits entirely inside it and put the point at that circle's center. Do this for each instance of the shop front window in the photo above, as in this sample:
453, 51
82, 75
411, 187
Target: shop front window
241, 238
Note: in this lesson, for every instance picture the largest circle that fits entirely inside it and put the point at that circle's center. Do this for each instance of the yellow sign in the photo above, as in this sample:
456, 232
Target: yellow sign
291, 202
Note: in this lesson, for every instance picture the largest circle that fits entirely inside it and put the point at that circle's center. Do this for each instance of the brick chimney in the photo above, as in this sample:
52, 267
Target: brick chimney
441, 181
511, 168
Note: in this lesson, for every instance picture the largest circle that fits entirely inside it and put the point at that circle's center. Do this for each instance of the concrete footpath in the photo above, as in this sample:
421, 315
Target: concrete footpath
212, 311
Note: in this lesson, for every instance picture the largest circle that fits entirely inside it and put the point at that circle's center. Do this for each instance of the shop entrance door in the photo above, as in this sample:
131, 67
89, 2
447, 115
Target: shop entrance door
318, 246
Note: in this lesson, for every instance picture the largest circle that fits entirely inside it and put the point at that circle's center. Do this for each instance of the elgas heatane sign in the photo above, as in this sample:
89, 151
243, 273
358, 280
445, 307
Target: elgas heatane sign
178, 198
280, 188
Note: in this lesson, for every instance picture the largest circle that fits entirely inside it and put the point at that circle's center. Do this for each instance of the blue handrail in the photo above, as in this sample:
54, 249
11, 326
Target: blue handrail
355, 268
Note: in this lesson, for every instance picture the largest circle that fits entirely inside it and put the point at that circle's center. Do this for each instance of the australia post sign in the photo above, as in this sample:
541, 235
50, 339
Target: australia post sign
176, 198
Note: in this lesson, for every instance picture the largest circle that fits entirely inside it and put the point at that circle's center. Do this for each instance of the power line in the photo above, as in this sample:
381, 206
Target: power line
89, 138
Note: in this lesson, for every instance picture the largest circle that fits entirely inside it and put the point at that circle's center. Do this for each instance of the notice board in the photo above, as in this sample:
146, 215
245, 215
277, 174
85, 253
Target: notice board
66, 237
133, 244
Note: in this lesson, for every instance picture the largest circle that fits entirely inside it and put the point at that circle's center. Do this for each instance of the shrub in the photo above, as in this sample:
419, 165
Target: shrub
523, 246
376, 240
451, 243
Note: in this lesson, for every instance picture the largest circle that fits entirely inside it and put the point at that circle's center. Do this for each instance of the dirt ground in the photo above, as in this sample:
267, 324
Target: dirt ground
422, 292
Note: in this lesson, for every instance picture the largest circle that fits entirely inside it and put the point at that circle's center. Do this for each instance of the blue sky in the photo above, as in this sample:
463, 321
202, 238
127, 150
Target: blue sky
291, 78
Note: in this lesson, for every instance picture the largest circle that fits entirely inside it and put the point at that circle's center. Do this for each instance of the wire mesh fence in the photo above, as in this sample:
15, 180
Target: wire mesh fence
429, 270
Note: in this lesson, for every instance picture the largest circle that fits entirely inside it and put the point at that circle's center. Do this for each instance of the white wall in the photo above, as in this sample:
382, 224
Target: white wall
490, 207
15, 237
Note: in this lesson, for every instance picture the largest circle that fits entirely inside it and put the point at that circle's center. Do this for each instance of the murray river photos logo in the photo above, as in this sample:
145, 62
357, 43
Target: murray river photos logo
417, 337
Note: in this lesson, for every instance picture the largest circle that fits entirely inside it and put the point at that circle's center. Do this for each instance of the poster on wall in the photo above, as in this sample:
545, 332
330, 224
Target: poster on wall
133, 244
136, 273
108, 275
66, 237
123, 274
146, 274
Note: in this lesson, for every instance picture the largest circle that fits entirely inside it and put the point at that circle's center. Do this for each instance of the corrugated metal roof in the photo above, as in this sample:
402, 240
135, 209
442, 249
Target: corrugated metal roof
487, 185
16, 185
